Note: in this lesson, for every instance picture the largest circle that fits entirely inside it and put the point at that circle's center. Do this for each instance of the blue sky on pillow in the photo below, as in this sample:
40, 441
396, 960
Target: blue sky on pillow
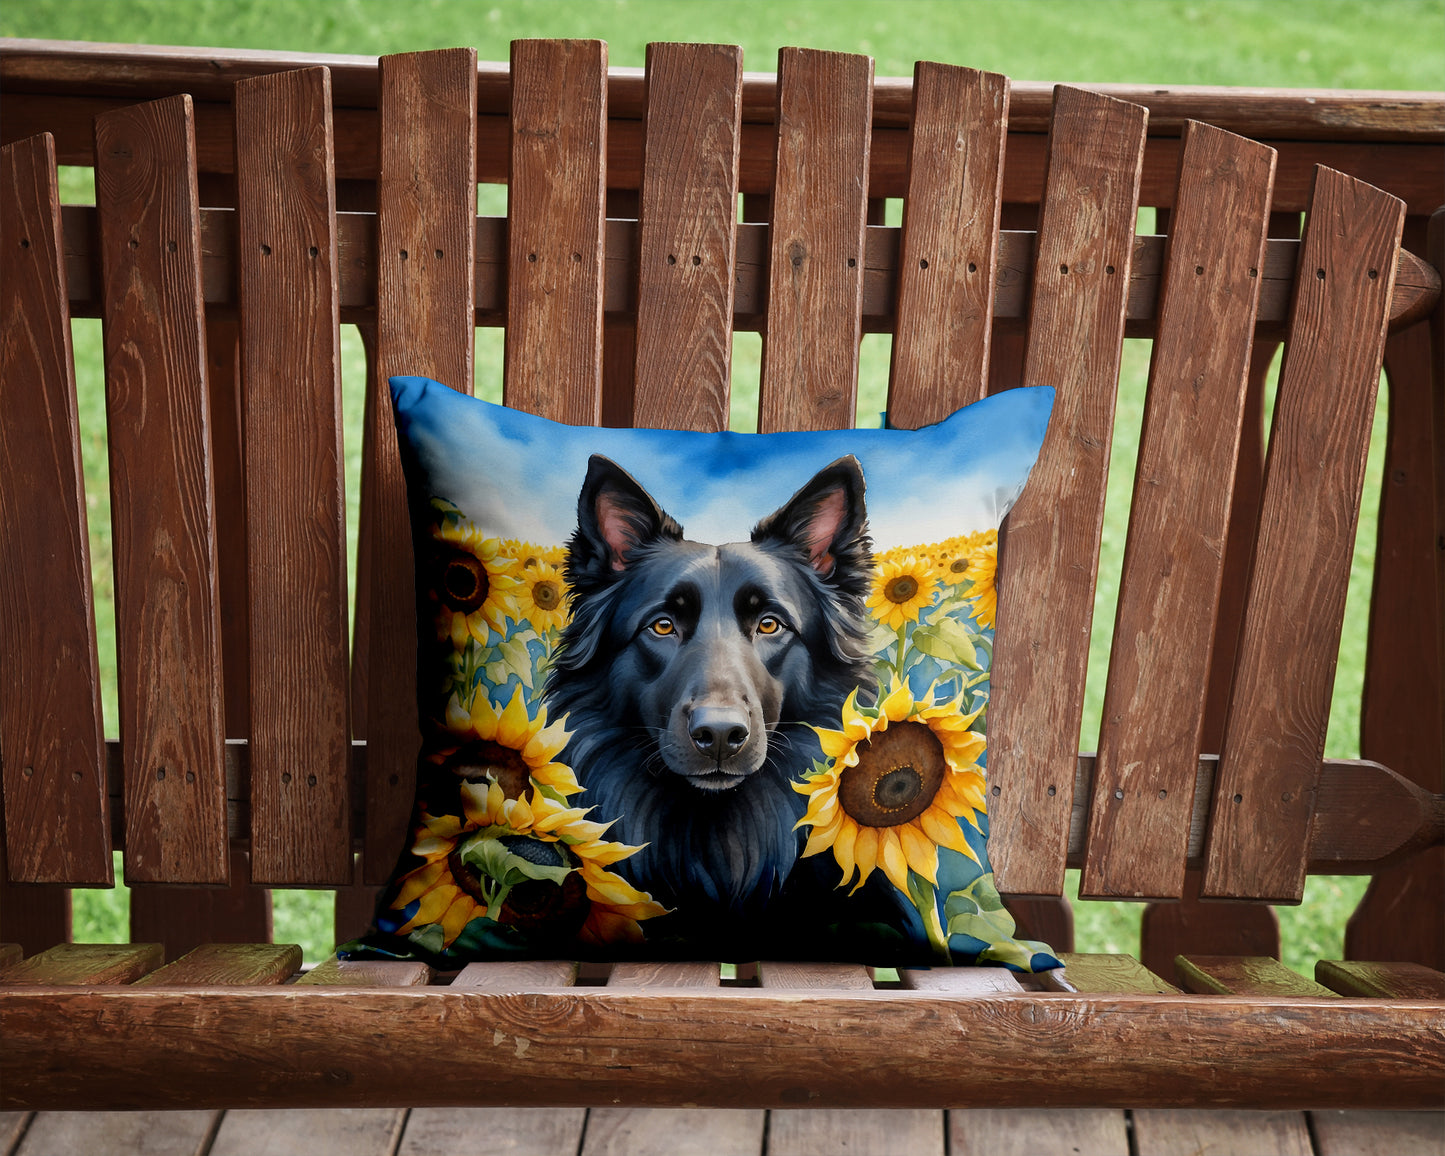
707, 694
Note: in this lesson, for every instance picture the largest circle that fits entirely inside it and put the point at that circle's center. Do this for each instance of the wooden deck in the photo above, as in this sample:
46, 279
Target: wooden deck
720, 1132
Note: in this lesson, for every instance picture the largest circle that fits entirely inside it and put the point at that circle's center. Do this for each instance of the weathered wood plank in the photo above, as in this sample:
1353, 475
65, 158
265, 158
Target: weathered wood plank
1191, 924
300, 820
1275, 733
1383, 980
151, 1133
168, 629
643, 975
1169, 1132
57, 822
1049, 557
1030, 1131
325, 1132
814, 976
10, 953
1153, 715
947, 266
289, 1046
674, 1132
518, 975
687, 236
13, 1126
1243, 975
816, 260
489, 1131
182, 918
1355, 1133
228, 963
868, 1132
426, 222
555, 206
85, 963
34, 915
959, 980
1096, 972
335, 972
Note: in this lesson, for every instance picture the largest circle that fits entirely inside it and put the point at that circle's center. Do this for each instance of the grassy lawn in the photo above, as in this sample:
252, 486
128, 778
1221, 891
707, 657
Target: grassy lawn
1391, 44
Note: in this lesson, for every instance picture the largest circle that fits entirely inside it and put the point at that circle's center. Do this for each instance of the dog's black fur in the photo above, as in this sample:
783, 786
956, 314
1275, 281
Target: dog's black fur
689, 675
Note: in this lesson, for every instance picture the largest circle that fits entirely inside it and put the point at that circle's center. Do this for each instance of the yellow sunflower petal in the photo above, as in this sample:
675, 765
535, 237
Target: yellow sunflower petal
865, 852
460, 631
892, 859
514, 727
432, 906
919, 850
456, 917
843, 851
943, 829
823, 837
418, 882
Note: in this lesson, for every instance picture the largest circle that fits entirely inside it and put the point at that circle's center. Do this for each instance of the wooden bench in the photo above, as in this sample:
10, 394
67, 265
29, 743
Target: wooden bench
245, 207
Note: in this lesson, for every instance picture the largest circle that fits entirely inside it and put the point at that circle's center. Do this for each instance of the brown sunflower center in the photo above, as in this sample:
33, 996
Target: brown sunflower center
475, 761
547, 594
958, 565
462, 581
901, 589
538, 906
898, 773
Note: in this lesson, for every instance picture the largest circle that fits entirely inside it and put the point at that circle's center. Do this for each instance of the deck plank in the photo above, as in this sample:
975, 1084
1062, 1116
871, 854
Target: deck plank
119, 1133
1029, 1131
314, 1131
1168, 1132
1381, 980
493, 1132
856, 1131
674, 1132
1346, 1133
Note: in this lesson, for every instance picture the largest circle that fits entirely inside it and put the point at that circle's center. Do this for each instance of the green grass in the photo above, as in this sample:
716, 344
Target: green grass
1395, 44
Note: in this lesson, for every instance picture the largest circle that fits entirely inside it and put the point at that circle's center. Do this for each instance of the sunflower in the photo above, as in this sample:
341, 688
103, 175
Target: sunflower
896, 782
542, 596
900, 590
506, 746
472, 580
982, 566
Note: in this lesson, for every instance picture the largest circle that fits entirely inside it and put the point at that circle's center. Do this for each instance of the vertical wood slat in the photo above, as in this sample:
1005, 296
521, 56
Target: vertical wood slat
1275, 733
168, 630
34, 915
815, 261
182, 918
286, 229
1153, 714
687, 236
947, 264
57, 822
1050, 555
426, 241
555, 229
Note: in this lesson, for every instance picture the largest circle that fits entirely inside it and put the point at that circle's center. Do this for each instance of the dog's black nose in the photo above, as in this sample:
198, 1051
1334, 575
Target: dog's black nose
719, 733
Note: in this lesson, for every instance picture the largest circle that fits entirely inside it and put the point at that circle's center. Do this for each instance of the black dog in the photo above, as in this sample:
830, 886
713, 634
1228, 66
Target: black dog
689, 674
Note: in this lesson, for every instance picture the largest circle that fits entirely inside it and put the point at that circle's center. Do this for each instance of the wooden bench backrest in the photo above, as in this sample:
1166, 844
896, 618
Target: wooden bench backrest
221, 333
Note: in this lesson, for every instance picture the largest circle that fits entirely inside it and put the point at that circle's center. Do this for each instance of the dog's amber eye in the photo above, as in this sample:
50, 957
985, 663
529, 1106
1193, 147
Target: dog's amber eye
662, 626
767, 624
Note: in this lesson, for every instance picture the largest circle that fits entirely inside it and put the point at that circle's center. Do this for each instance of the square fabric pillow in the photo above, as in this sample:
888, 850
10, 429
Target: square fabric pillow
762, 737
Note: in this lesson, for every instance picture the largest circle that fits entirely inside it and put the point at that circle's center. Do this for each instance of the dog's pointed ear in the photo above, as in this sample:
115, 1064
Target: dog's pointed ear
615, 515
826, 518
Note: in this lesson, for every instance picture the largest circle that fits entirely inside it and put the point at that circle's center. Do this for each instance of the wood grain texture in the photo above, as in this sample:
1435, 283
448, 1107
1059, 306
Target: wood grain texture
1275, 733
228, 963
947, 268
1191, 925
426, 224
816, 250
814, 976
1172, 1131
13, 1125
1355, 1133
669, 975
687, 236
34, 915
335, 972
959, 980
333, 1132
1435, 246
674, 1132
10, 953
295, 500
518, 975
295, 1046
1153, 714
489, 1131
1396, 916
868, 1132
133, 1133
1097, 972
57, 823
1049, 558
183, 918
1383, 980
1030, 1131
555, 206
70, 964
1243, 975
168, 630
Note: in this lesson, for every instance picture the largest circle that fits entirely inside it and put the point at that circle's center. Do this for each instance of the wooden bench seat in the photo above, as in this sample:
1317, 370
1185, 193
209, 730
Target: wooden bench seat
248, 206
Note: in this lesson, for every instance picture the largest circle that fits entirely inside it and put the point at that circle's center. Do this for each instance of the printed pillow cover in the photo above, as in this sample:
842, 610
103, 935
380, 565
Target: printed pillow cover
761, 737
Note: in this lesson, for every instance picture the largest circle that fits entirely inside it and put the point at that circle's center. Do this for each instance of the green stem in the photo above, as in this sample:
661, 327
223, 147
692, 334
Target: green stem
902, 645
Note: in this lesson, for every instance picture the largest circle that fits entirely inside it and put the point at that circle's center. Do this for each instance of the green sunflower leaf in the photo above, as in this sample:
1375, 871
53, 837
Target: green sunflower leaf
977, 910
1010, 952
947, 641
491, 859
